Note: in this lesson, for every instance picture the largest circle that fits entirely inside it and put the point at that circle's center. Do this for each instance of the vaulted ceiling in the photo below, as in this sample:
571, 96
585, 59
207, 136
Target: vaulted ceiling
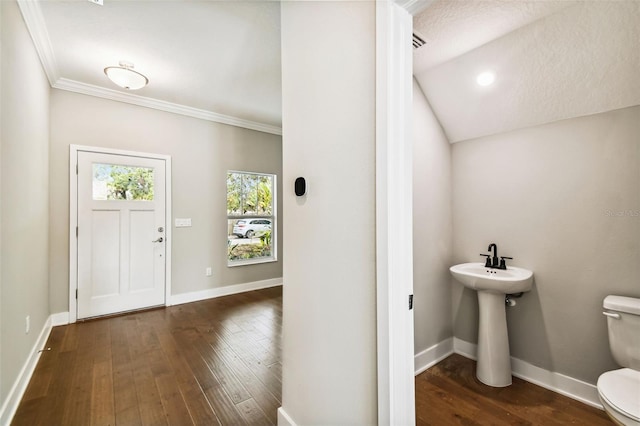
552, 60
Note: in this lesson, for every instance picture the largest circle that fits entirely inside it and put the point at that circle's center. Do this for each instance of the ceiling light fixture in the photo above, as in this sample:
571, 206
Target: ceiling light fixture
125, 77
486, 78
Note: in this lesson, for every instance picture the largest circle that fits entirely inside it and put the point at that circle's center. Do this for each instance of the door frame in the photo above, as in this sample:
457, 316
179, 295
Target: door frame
73, 218
394, 200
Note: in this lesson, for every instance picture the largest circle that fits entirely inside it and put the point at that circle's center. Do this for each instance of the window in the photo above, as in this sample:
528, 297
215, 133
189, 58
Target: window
116, 182
251, 218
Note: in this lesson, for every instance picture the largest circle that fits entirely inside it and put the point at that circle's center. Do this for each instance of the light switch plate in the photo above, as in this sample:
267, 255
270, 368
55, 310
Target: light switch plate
183, 222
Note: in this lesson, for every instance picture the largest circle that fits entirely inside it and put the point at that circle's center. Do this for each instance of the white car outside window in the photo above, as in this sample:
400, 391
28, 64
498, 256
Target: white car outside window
250, 227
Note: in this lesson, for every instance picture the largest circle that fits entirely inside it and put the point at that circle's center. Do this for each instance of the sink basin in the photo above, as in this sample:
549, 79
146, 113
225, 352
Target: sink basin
494, 362
477, 277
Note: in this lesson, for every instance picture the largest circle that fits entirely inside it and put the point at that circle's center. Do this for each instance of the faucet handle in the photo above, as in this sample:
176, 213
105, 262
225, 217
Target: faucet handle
503, 264
487, 264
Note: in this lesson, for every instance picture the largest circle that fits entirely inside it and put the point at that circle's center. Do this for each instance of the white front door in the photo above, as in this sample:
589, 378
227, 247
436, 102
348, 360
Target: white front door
121, 233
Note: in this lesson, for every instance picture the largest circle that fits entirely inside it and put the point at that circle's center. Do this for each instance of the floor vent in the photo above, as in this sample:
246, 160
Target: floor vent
418, 41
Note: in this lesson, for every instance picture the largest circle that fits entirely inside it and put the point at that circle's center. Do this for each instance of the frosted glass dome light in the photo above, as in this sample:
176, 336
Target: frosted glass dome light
486, 78
125, 77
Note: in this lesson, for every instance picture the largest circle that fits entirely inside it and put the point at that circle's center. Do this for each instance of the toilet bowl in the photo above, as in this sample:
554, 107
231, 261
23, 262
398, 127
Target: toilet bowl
619, 393
619, 390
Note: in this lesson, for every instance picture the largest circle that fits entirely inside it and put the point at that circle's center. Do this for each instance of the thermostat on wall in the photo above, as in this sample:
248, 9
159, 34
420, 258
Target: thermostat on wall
300, 187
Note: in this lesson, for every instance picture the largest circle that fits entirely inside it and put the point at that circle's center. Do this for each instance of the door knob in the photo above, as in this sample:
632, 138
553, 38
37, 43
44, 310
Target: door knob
159, 240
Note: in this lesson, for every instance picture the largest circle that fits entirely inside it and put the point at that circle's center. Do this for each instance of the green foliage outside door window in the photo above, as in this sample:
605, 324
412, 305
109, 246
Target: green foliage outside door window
116, 182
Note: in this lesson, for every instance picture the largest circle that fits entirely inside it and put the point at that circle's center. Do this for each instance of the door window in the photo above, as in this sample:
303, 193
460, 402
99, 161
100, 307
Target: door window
117, 182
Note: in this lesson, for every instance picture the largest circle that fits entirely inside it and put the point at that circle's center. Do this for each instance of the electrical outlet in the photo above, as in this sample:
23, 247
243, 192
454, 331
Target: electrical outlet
208, 272
27, 324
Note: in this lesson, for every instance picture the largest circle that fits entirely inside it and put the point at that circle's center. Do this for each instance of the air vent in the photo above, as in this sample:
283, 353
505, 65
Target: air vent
418, 41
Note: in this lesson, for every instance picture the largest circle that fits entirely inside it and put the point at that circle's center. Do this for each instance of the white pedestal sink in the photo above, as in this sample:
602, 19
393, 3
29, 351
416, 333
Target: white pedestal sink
492, 285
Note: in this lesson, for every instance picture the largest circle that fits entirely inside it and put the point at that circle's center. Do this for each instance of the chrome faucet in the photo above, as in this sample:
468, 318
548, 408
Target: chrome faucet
494, 261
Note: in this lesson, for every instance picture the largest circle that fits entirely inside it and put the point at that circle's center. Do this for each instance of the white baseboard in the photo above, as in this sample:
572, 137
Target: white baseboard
12, 401
284, 419
432, 355
194, 296
466, 349
61, 318
564, 385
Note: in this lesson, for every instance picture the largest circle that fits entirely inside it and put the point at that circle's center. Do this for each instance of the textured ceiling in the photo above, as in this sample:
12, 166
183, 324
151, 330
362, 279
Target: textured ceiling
583, 59
452, 28
215, 56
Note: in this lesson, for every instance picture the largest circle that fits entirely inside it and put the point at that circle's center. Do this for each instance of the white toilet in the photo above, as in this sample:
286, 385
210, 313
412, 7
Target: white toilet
619, 390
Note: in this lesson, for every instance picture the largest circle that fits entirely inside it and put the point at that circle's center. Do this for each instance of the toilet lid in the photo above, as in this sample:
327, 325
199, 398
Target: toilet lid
621, 390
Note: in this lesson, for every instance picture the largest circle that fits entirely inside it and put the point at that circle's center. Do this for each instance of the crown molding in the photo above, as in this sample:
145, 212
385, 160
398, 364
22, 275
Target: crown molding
37, 28
34, 20
129, 98
414, 6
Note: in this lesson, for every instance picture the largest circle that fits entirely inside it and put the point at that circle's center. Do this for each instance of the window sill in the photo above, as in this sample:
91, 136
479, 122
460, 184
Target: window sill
251, 262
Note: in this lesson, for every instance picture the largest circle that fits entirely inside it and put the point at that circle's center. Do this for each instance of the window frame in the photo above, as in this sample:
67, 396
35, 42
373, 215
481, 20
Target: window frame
273, 218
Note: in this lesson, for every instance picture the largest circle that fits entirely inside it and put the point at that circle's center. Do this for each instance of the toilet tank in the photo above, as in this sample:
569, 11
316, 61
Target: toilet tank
623, 320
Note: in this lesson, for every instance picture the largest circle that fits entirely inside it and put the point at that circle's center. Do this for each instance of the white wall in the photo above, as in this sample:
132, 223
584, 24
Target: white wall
201, 153
432, 227
562, 199
329, 319
24, 195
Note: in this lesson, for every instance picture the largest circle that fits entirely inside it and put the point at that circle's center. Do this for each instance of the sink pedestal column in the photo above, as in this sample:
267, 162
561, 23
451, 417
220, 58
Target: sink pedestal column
494, 361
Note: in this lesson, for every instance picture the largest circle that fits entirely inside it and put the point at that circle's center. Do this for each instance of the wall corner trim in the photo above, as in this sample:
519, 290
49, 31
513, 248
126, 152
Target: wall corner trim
34, 21
556, 382
61, 318
12, 401
194, 296
284, 419
433, 355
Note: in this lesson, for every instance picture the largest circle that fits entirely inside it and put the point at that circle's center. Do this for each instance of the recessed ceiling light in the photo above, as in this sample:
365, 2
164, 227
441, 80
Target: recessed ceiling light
486, 78
125, 77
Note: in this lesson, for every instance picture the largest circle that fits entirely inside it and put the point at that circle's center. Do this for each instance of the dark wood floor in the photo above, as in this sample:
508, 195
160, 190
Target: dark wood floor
450, 394
204, 363
218, 362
